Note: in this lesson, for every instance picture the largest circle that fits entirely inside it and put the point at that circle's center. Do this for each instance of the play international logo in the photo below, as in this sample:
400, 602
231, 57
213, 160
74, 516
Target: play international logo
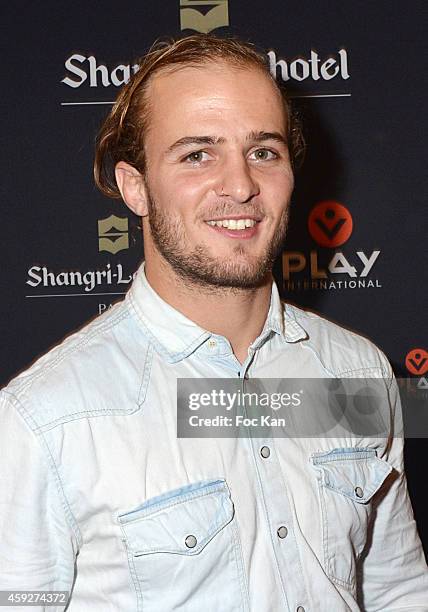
330, 224
417, 361
113, 234
203, 15
326, 267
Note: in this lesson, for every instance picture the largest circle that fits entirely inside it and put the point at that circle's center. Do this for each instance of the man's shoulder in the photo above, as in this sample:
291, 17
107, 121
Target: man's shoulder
341, 351
79, 376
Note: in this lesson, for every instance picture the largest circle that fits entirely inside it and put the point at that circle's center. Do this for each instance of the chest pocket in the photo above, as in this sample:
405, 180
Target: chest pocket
348, 478
184, 551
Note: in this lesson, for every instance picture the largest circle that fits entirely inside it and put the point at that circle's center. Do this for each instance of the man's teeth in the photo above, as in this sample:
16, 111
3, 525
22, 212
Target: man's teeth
234, 224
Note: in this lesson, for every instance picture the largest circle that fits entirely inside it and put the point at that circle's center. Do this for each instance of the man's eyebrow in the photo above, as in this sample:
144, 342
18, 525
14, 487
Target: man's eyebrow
263, 136
195, 140
213, 140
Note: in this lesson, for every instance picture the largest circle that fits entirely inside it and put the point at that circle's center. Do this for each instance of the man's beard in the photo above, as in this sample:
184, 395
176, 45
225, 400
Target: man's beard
241, 270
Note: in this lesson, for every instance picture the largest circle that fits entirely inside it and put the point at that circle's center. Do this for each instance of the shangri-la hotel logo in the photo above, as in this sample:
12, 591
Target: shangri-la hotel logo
203, 15
113, 234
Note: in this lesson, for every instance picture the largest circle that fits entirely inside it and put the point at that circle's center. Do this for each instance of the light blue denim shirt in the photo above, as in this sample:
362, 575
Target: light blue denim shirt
100, 497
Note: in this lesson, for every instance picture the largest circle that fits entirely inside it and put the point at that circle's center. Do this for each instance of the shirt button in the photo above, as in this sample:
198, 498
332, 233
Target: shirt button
212, 344
300, 609
190, 541
265, 452
359, 492
282, 532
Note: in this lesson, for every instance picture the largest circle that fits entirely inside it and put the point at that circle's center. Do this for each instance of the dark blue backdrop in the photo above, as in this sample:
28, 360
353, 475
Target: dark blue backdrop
355, 73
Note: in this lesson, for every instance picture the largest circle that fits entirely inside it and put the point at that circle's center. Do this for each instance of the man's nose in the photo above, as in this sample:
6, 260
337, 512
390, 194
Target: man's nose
237, 181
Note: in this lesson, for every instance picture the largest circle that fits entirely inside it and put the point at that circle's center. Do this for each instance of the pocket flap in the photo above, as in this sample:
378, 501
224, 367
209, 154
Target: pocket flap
356, 473
182, 521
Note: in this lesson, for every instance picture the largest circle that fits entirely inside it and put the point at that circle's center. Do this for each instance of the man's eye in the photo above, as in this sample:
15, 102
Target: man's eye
196, 157
264, 155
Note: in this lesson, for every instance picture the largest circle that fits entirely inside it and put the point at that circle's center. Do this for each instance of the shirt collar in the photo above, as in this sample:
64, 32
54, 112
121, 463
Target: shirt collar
280, 320
175, 336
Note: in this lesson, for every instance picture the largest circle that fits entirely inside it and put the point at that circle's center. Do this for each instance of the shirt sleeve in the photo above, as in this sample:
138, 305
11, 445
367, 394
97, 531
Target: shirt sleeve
37, 545
393, 570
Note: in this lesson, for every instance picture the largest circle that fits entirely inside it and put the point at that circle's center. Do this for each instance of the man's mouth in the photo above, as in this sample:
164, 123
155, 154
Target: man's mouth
234, 224
238, 227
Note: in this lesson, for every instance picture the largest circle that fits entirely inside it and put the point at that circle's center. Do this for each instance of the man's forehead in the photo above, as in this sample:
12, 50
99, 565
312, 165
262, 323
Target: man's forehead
213, 66
198, 78
210, 91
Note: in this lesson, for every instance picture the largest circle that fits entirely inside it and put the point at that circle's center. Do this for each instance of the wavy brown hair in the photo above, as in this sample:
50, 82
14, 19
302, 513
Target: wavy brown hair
121, 137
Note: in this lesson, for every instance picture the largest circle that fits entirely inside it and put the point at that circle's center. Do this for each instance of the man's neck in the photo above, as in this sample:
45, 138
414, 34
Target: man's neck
238, 315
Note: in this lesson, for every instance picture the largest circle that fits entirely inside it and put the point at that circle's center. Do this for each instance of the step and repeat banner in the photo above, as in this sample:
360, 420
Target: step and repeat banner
356, 246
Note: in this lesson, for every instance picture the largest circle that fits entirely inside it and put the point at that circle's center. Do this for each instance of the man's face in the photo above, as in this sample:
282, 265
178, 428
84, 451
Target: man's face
218, 174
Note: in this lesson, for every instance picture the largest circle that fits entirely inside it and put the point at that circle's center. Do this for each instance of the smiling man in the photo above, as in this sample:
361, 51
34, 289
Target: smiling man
100, 497
215, 195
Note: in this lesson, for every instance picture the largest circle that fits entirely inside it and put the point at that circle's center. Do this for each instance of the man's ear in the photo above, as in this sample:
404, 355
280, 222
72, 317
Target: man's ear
132, 188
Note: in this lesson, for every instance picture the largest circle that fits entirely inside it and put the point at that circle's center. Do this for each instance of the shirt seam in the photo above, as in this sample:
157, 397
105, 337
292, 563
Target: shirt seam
59, 358
336, 374
183, 498
29, 421
104, 411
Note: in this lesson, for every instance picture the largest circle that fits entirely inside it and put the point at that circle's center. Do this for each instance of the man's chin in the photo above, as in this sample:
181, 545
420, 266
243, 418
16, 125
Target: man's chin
227, 275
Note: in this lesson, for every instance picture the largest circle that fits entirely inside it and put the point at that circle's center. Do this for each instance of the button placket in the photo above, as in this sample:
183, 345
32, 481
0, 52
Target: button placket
278, 515
278, 511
